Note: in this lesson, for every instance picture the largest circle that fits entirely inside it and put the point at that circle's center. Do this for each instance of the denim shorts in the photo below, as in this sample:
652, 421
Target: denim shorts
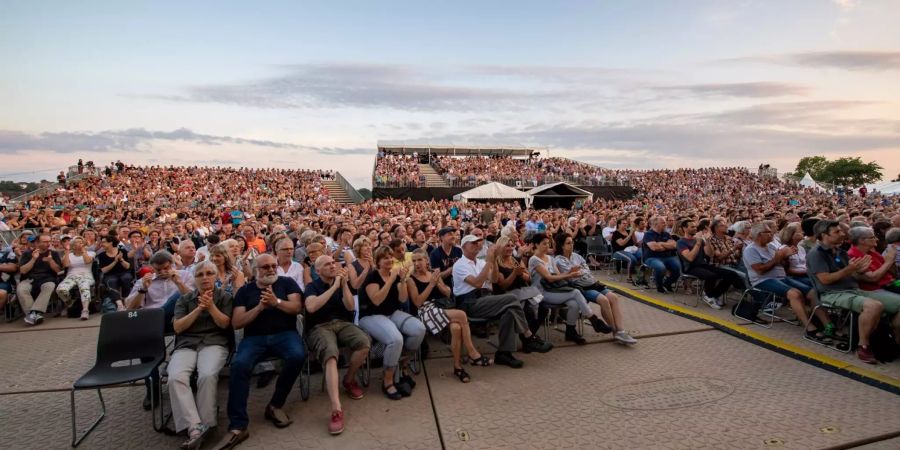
4, 286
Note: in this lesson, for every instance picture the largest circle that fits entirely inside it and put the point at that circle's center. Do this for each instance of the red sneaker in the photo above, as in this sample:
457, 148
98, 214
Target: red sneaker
336, 426
353, 390
865, 355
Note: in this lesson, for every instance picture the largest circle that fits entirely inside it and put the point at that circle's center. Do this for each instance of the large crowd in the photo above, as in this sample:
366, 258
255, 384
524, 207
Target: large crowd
261, 251
403, 171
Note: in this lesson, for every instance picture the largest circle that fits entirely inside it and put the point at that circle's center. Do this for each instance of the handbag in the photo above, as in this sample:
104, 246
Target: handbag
557, 286
445, 303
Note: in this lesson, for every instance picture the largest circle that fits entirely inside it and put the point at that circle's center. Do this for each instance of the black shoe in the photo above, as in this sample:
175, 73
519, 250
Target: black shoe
264, 379
572, 335
668, 288
396, 395
660, 290
599, 325
408, 379
536, 344
403, 388
507, 359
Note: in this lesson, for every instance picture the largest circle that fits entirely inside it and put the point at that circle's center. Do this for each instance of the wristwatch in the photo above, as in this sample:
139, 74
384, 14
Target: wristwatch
278, 301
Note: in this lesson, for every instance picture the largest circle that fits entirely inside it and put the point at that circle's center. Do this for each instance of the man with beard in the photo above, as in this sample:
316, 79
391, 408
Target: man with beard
266, 309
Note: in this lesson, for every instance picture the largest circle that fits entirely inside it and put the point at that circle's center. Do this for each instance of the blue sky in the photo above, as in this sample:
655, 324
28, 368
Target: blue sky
638, 84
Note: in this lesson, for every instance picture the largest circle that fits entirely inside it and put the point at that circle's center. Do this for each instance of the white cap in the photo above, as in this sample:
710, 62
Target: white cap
470, 238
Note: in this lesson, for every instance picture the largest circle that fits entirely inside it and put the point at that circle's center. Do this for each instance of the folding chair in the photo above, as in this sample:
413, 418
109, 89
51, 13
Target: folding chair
687, 280
842, 317
124, 336
768, 298
599, 249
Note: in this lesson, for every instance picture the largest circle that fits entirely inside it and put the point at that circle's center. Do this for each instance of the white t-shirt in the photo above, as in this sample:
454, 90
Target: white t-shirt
462, 268
77, 266
295, 272
607, 233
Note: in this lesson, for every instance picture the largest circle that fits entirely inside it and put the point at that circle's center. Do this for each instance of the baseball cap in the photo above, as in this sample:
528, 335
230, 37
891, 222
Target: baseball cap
470, 238
445, 230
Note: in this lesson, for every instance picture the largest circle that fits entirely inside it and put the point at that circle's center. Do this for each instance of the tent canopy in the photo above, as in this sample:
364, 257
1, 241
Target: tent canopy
886, 187
493, 191
808, 181
558, 194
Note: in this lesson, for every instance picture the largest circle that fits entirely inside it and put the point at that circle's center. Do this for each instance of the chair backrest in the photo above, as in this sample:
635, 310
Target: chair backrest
595, 244
127, 335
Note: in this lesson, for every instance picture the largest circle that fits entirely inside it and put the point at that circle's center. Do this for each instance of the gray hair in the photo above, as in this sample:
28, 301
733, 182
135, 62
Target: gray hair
892, 236
184, 243
161, 257
742, 226
655, 220
857, 234
307, 236
757, 228
205, 264
858, 224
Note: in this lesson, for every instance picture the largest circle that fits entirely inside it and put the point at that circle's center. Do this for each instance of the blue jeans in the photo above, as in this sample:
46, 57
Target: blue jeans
780, 287
660, 265
288, 346
591, 295
633, 260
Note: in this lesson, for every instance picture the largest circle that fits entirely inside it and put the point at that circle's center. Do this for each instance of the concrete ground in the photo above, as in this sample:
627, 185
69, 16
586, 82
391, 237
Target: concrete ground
684, 385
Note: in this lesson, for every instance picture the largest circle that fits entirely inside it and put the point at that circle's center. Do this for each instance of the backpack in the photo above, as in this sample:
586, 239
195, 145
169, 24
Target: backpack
883, 344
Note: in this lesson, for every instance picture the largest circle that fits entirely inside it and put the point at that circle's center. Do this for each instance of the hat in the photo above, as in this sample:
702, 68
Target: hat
470, 238
445, 230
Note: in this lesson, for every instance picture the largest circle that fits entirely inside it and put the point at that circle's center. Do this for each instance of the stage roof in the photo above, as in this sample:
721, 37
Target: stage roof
444, 148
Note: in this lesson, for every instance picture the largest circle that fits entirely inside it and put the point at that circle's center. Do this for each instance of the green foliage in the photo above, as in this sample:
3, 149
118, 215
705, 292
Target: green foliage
15, 187
847, 171
366, 193
814, 165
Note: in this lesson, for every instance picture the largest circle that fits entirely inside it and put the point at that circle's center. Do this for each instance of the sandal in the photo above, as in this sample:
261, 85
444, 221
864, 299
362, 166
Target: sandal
462, 375
482, 361
818, 336
396, 395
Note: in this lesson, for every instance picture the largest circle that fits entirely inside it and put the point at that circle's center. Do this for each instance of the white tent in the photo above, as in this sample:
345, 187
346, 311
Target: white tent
493, 191
886, 187
808, 181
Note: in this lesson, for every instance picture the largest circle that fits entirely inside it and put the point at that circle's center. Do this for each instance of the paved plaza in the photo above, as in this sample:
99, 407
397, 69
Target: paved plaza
686, 384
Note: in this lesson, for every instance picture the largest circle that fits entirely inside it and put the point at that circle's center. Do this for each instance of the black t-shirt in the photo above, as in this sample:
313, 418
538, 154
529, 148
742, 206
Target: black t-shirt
390, 304
271, 320
615, 238
517, 283
442, 261
41, 270
332, 309
104, 260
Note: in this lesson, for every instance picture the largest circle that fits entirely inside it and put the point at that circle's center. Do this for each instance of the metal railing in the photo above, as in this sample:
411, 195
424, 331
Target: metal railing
354, 195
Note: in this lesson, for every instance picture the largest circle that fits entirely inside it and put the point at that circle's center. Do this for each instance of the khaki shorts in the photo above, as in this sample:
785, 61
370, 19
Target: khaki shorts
326, 339
853, 300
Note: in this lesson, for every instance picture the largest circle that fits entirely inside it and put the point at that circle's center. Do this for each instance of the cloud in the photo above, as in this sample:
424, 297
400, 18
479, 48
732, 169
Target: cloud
760, 132
848, 60
139, 139
754, 89
846, 5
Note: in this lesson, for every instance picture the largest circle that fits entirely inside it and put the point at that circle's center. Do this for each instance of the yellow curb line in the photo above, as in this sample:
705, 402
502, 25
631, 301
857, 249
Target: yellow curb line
818, 357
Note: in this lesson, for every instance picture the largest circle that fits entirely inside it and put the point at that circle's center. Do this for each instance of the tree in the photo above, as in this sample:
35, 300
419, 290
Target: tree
366, 193
814, 165
898, 178
851, 172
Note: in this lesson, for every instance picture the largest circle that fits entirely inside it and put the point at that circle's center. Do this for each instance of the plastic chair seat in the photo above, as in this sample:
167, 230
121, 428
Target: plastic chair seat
105, 376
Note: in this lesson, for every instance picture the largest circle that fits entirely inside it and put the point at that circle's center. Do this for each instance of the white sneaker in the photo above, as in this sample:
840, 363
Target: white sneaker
713, 303
625, 338
85, 314
30, 318
720, 301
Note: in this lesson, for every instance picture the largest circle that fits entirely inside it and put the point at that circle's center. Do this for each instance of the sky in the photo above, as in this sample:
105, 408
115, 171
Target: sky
636, 84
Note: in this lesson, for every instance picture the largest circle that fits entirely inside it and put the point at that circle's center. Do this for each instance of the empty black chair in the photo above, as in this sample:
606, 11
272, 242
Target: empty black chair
125, 336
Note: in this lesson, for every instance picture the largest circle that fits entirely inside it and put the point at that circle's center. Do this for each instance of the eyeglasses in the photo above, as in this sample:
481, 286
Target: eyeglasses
267, 267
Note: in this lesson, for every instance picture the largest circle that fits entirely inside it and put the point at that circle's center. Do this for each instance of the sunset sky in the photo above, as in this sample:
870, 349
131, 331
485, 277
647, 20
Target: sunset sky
621, 84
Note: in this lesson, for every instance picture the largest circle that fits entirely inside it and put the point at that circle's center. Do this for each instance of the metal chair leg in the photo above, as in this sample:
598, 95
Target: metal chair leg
76, 439
153, 406
305, 375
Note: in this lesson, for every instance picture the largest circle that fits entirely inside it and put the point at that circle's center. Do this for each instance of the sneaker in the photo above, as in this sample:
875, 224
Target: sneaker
353, 390
865, 355
507, 359
29, 318
625, 338
720, 301
336, 425
38, 318
85, 314
711, 302
536, 344
669, 289
771, 307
